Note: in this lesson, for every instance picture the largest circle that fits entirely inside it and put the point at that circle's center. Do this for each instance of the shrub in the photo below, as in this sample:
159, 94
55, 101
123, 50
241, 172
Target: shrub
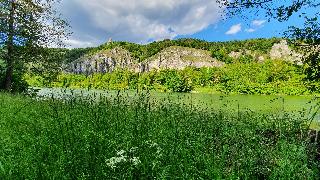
222, 55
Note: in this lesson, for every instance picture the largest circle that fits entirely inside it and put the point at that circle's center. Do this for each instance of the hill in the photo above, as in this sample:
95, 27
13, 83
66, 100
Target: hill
173, 54
143, 52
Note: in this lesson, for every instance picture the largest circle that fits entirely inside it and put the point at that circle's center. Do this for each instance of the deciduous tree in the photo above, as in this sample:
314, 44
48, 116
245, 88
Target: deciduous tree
27, 28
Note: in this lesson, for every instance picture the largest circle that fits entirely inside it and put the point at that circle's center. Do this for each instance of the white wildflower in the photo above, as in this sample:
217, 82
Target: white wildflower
112, 162
135, 161
120, 153
158, 150
153, 145
133, 149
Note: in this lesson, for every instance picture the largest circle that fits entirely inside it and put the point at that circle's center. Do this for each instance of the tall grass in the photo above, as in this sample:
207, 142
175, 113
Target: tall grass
135, 138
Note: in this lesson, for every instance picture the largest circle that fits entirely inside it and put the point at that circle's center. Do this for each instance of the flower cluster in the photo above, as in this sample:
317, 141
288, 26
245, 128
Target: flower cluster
122, 157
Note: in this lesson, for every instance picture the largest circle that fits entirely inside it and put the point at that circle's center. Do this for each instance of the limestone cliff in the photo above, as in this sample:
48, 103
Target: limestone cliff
104, 61
174, 57
179, 58
279, 50
282, 51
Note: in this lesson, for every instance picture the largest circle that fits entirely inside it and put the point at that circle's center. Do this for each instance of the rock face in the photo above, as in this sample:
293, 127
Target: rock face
282, 51
279, 50
170, 58
174, 57
102, 62
179, 58
235, 55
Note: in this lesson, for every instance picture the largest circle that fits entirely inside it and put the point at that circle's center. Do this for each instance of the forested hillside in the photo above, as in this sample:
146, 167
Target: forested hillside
256, 66
142, 52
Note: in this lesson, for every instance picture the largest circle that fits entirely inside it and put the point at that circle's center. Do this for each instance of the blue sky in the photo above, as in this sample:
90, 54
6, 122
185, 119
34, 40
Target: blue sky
252, 27
94, 22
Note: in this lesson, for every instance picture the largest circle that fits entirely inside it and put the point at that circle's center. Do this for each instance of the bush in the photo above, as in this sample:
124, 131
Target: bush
2, 71
222, 55
174, 81
270, 77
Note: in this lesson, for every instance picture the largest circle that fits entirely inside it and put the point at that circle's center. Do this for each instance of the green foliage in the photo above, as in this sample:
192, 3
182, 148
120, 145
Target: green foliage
244, 76
246, 59
73, 54
271, 77
173, 80
142, 52
165, 80
2, 71
18, 83
27, 29
312, 66
125, 137
222, 55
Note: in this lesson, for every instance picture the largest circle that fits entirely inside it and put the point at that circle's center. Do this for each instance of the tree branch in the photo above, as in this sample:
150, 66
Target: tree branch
246, 4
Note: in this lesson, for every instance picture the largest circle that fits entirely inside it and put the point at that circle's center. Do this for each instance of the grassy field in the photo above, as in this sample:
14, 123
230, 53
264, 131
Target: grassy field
127, 136
214, 101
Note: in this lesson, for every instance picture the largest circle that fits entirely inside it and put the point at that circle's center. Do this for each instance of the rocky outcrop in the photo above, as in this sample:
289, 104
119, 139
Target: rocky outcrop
282, 51
174, 57
170, 58
235, 55
103, 62
179, 58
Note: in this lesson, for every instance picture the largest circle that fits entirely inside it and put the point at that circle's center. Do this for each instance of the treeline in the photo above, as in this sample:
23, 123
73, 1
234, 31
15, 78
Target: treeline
142, 52
270, 77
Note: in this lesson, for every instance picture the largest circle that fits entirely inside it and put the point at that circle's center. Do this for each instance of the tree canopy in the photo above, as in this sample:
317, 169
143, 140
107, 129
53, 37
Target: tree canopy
27, 27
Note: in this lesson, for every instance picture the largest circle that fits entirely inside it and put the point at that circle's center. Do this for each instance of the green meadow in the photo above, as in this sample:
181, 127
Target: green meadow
210, 100
78, 134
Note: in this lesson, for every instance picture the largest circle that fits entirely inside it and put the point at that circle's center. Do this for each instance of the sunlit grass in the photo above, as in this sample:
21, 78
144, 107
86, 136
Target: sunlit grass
137, 137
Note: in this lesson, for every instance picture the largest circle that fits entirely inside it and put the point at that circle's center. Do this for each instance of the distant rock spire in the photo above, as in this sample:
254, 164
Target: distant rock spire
110, 41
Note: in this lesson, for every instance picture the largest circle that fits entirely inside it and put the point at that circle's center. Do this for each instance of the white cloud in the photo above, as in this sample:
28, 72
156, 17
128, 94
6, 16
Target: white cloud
139, 20
255, 25
77, 43
234, 29
258, 23
250, 30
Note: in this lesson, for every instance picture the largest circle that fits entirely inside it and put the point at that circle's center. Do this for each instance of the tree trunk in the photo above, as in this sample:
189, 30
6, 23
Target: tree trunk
10, 46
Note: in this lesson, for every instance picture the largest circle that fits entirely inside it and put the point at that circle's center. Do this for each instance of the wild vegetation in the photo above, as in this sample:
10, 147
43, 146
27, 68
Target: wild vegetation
136, 137
246, 76
120, 137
